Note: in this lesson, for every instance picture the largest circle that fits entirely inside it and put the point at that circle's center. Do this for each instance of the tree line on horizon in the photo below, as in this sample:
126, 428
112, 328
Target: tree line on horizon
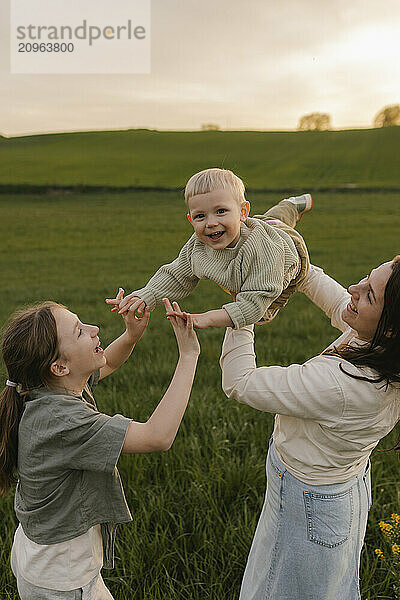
318, 121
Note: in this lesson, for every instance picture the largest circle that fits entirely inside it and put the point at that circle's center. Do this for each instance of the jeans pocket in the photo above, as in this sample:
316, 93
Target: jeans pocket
329, 517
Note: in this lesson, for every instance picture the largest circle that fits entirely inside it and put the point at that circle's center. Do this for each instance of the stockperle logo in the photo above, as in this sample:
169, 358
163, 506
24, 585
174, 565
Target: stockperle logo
89, 36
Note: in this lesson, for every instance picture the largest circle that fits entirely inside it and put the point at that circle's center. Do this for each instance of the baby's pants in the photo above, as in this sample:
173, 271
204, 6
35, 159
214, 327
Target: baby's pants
286, 214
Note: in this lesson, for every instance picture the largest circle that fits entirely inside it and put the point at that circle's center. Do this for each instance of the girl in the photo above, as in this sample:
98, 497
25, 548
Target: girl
69, 497
331, 412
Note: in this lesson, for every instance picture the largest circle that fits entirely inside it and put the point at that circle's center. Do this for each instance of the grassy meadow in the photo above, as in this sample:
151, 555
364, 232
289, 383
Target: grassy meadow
194, 507
278, 160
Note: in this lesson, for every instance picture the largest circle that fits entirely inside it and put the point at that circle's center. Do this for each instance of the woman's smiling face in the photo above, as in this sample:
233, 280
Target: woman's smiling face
367, 298
79, 346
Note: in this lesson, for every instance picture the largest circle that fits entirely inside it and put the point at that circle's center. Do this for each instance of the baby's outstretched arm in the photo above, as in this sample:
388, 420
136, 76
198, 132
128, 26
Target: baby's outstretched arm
173, 280
211, 318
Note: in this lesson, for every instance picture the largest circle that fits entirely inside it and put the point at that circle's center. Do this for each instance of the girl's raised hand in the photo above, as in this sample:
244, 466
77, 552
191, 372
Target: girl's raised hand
116, 301
199, 321
136, 322
136, 317
122, 305
136, 325
182, 324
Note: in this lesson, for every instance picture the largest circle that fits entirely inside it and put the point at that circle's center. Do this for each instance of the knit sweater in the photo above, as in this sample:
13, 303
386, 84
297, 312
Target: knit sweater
257, 269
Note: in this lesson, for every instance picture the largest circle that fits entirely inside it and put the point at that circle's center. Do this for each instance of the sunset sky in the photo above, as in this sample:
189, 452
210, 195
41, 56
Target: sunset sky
242, 64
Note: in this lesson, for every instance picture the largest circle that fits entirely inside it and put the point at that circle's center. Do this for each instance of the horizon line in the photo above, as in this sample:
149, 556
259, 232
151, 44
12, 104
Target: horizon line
183, 130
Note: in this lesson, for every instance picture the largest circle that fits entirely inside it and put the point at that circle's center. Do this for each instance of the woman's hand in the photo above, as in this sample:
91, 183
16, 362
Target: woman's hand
136, 325
120, 349
136, 316
200, 320
122, 305
159, 431
182, 324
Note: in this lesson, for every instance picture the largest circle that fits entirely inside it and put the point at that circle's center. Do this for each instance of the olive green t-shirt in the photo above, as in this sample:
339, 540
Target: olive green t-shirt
67, 457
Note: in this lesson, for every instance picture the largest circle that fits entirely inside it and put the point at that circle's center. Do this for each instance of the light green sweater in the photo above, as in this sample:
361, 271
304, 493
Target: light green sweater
257, 269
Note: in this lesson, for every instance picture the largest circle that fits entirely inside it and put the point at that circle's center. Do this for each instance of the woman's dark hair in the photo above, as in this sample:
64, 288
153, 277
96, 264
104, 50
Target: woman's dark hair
30, 346
382, 353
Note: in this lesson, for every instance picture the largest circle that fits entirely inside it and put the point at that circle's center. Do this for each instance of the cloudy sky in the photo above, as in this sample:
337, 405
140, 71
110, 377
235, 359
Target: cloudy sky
242, 64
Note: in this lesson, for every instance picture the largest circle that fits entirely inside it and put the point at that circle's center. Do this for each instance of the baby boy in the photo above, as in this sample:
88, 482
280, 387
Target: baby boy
259, 260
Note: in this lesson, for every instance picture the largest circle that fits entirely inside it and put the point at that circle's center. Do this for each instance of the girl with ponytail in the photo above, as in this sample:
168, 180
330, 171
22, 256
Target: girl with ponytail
69, 496
29, 347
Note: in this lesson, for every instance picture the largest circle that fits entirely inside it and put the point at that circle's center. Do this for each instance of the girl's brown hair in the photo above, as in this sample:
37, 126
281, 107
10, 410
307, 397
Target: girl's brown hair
30, 346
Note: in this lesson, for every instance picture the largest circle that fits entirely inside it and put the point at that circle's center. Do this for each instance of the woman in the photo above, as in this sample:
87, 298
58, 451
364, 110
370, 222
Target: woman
330, 414
69, 496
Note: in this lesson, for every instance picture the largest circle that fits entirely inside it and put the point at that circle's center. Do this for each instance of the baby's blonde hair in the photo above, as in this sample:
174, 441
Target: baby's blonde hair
210, 180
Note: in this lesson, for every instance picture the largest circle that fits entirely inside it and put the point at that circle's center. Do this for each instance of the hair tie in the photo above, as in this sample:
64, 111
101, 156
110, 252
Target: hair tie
11, 383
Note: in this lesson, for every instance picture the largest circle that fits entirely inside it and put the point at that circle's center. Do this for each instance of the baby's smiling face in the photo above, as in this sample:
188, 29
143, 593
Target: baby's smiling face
216, 218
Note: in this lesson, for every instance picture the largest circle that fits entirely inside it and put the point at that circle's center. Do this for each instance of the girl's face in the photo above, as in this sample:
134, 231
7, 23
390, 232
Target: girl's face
367, 298
79, 345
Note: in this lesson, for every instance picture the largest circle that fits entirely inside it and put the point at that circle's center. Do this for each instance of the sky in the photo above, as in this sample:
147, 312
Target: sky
240, 64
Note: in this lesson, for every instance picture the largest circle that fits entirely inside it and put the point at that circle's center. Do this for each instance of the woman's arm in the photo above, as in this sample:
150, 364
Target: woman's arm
308, 391
158, 433
327, 294
120, 349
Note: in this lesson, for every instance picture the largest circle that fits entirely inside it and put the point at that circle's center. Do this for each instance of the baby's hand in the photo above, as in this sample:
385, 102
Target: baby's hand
130, 303
116, 300
183, 328
200, 321
136, 315
122, 305
136, 322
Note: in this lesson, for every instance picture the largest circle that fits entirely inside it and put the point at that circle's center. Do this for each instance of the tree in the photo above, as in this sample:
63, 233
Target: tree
210, 127
315, 122
390, 115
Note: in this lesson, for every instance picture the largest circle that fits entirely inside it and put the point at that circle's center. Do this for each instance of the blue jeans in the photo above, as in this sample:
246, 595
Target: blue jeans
308, 539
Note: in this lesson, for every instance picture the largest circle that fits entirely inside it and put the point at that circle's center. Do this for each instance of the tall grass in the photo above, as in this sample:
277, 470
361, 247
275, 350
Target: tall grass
194, 507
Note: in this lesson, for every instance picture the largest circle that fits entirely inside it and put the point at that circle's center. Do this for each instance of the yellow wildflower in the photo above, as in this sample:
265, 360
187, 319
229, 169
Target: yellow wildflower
386, 527
379, 552
396, 549
395, 518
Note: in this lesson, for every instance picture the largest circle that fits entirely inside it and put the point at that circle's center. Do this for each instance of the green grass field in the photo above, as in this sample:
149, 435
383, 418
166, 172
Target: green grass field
195, 507
269, 160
